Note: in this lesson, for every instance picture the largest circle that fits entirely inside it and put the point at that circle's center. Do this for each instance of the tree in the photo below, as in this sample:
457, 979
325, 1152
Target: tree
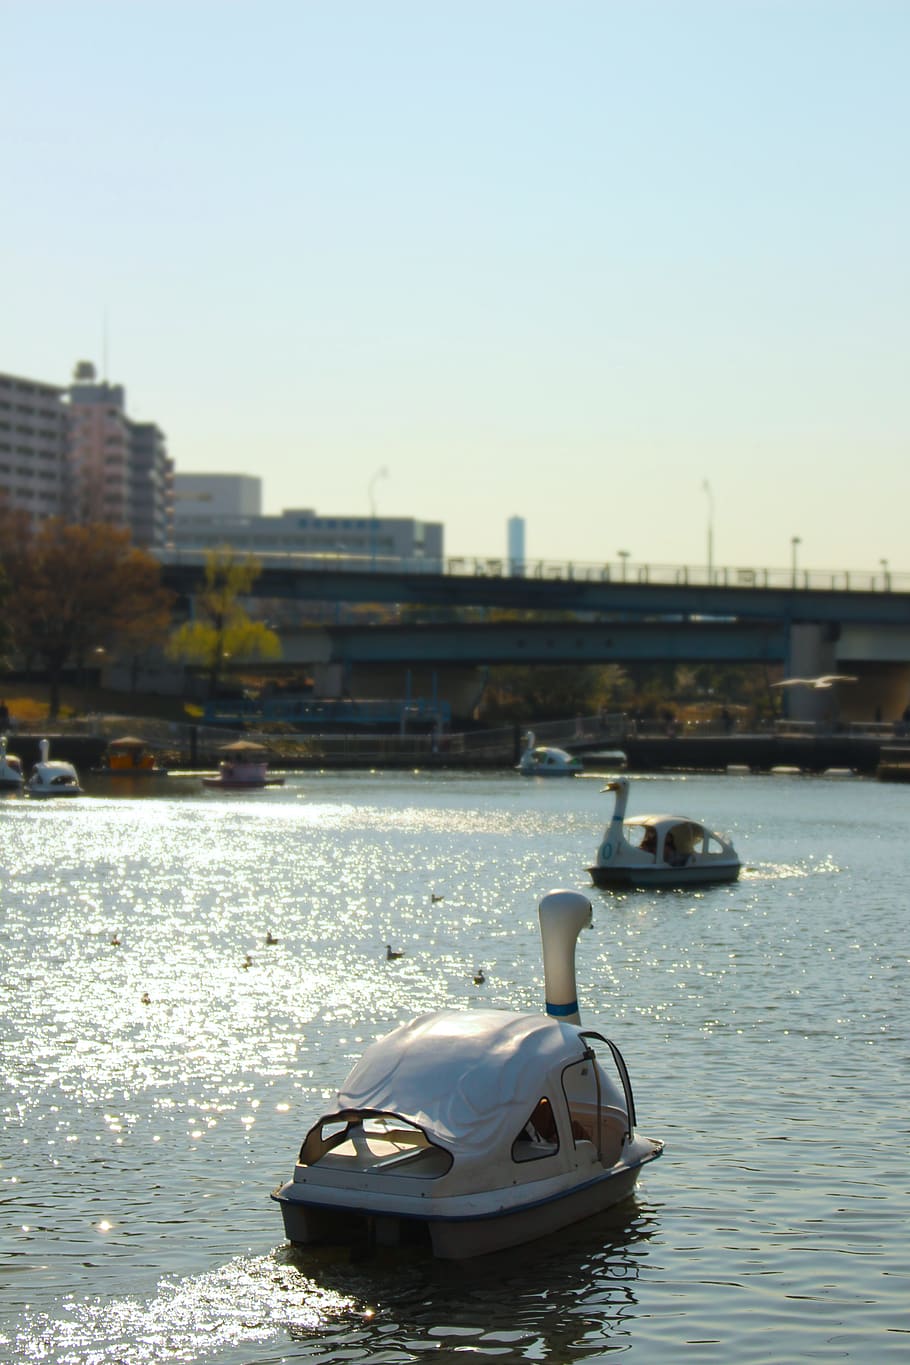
78, 589
520, 693
222, 628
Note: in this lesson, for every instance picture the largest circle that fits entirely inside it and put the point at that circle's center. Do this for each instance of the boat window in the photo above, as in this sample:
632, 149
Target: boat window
581, 1097
643, 837
539, 1137
684, 839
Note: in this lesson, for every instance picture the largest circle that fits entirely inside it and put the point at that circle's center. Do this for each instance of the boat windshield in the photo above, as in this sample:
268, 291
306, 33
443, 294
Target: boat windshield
596, 1109
366, 1140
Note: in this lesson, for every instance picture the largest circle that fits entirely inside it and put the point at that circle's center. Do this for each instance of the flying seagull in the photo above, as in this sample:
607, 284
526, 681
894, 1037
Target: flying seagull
826, 680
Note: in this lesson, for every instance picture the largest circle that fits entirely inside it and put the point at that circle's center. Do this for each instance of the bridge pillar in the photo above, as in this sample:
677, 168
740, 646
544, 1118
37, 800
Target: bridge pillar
812, 651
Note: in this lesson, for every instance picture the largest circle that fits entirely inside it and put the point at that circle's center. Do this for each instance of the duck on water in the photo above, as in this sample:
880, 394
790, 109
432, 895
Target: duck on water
475, 1130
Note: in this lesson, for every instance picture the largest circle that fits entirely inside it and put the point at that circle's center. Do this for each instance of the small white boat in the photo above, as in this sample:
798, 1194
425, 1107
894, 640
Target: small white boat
659, 850
539, 760
469, 1131
244, 767
52, 777
10, 769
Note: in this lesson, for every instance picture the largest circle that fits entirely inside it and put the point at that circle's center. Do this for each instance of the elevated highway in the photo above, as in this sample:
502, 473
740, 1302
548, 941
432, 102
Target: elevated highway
807, 623
572, 642
632, 591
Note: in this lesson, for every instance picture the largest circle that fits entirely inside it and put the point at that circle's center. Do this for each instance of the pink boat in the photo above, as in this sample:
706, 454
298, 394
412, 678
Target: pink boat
244, 767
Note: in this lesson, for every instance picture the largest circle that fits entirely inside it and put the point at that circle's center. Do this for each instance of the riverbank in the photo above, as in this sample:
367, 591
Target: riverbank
198, 748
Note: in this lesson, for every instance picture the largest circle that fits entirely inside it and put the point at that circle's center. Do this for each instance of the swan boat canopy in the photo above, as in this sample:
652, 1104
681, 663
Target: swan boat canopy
10, 769
539, 760
52, 777
244, 766
659, 850
470, 1131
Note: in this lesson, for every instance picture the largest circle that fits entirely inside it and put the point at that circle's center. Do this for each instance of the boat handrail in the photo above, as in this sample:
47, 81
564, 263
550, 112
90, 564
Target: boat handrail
621, 1068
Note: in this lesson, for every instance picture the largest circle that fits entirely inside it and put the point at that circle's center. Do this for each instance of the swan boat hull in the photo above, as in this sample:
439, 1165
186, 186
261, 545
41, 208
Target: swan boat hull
644, 875
237, 784
497, 1219
53, 788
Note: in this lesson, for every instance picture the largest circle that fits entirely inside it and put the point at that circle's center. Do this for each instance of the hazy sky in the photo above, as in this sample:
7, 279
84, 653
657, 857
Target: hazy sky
567, 260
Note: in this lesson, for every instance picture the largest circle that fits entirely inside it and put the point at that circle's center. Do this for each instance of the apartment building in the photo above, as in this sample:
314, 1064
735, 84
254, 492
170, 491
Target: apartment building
33, 448
74, 452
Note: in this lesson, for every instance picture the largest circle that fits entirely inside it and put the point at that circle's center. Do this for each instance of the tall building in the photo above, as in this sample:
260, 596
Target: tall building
33, 448
515, 533
151, 486
99, 455
75, 453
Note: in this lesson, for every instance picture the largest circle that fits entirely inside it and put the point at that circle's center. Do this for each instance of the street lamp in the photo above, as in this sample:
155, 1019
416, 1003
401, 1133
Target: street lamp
381, 473
886, 575
707, 490
623, 555
794, 542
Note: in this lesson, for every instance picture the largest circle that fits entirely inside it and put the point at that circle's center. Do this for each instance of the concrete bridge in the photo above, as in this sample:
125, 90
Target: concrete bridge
803, 623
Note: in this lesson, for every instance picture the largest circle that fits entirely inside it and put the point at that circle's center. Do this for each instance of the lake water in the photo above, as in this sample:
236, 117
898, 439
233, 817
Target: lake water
154, 1091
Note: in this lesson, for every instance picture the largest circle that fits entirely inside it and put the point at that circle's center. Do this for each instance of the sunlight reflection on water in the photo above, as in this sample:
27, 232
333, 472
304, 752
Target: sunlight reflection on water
162, 1059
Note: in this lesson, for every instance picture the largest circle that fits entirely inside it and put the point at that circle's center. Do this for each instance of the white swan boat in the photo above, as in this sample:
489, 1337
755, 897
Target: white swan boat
540, 760
475, 1130
52, 777
659, 850
10, 769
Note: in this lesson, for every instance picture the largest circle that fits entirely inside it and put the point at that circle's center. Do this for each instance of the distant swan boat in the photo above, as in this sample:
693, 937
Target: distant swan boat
52, 777
659, 850
540, 760
11, 778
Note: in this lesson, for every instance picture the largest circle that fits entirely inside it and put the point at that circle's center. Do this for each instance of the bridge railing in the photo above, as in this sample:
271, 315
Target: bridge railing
609, 571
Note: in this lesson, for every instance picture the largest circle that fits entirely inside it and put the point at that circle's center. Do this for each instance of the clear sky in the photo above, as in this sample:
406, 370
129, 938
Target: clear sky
571, 261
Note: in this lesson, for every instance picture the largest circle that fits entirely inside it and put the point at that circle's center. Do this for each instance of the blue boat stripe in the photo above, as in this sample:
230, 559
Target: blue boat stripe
559, 1010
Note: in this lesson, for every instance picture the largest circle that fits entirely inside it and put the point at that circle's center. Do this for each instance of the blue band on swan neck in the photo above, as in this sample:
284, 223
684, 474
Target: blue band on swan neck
558, 1011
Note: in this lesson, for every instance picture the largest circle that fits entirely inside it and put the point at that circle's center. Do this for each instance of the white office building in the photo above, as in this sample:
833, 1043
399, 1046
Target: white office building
223, 509
204, 498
